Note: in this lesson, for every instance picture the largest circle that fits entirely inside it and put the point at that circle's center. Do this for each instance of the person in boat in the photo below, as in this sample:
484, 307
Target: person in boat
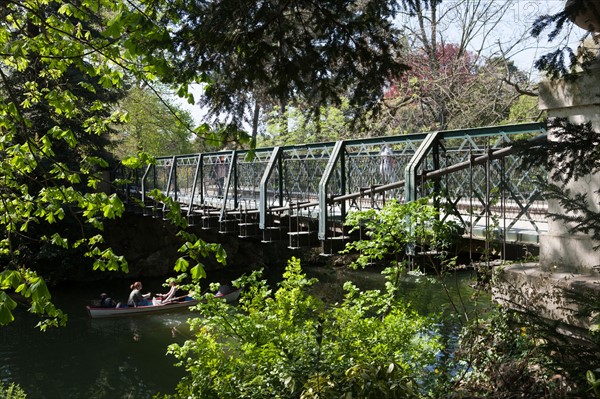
225, 288
168, 297
106, 301
136, 298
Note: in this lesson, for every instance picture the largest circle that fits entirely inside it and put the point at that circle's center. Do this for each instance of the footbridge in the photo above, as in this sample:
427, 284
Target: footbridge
302, 193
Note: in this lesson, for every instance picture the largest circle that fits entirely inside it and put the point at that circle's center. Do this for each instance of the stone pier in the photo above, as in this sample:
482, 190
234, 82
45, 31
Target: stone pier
566, 278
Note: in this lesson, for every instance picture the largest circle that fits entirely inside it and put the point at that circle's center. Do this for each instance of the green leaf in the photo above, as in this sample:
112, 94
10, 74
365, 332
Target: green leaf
10, 279
108, 211
197, 272
181, 265
57, 240
7, 304
39, 290
221, 255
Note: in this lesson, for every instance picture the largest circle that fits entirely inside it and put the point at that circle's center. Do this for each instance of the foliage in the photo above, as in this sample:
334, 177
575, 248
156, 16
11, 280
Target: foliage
457, 77
64, 67
563, 61
154, 126
519, 352
594, 383
272, 53
396, 229
493, 357
332, 125
11, 391
287, 344
451, 89
503, 357
58, 79
524, 109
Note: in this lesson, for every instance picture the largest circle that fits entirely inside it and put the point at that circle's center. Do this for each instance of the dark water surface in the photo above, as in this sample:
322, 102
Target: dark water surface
126, 357
93, 358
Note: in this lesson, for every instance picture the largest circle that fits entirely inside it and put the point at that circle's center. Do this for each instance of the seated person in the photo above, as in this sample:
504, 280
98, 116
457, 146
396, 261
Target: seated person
136, 298
165, 298
106, 301
224, 289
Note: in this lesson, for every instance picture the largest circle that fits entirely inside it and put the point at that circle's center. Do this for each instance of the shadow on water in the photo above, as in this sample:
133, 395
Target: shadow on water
126, 357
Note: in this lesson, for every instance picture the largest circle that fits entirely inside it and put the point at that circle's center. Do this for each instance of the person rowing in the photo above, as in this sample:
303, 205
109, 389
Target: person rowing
160, 299
224, 289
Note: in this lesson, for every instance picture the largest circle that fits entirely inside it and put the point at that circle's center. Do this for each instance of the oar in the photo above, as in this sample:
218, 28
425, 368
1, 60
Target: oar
182, 297
176, 299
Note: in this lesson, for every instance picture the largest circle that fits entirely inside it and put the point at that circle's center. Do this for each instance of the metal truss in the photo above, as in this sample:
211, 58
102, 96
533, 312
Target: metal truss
313, 187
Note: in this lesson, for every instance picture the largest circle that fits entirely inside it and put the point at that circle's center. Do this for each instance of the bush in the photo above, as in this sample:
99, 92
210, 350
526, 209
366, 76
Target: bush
505, 357
290, 345
11, 391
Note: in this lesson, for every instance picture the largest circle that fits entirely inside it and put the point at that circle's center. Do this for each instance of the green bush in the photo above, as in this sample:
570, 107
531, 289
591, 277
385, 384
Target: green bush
288, 344
11, 391
399, 229
503, 356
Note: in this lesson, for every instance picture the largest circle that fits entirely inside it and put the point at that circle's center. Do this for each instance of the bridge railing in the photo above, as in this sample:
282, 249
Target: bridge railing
318, 184
495, 197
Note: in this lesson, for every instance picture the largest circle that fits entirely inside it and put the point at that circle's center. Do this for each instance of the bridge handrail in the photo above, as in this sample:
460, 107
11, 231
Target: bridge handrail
357, 155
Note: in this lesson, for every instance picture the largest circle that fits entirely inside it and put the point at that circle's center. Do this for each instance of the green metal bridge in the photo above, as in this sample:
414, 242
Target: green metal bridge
302, 193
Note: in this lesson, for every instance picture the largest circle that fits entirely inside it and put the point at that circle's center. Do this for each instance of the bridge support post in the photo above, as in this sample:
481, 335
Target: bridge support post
566, 279
578, 102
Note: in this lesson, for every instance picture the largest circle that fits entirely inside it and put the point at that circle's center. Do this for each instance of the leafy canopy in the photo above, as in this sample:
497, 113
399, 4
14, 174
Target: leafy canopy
276, 52
62, 66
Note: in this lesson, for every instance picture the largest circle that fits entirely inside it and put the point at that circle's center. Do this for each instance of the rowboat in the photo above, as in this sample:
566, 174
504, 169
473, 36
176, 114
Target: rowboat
183, 302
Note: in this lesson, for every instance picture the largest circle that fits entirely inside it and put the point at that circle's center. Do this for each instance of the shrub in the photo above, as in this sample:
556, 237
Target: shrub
11, 391
290, 345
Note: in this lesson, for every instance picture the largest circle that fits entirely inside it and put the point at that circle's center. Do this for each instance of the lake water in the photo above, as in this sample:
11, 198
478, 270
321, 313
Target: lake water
126, 357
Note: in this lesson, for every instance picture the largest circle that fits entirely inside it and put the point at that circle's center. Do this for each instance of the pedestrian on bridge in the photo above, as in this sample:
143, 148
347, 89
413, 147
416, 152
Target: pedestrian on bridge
221, 174
387, 164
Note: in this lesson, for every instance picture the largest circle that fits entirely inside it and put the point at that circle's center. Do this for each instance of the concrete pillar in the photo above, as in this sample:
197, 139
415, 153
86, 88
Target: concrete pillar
579, 101
567, 278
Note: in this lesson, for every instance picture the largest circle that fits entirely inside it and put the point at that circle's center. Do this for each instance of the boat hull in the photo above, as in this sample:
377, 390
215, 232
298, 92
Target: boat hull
98, 312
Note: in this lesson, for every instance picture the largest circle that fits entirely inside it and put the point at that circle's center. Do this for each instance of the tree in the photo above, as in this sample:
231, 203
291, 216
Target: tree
62, 69
53, 129
332, 125
153, 126
563, 61
524, 109
455, 79
269, 53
